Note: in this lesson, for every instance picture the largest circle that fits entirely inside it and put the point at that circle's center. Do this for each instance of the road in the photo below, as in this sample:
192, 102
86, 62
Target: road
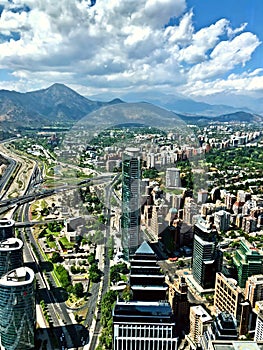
106, 269
67, 333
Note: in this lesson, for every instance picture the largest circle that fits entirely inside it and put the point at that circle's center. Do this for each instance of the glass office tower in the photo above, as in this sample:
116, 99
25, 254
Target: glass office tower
11, 255
7, 228
17, 309
131, 201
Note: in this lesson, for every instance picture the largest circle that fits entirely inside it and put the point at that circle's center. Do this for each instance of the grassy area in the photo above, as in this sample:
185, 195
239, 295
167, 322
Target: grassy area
52, 244
65, 243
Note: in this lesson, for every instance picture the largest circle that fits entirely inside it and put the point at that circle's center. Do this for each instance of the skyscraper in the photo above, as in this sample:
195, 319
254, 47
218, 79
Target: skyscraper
228, 295
207, 258
143, 325
7, 228
17, 309
131, 201
180, 305
173, 178
146, 280
11, 255
248, 261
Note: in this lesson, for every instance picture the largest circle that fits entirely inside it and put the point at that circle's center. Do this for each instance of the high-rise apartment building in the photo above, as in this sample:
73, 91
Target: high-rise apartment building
190, 210
131, 200
254, 289
143, 325
173, 179
7, 228
17, 309
199, 322
222, 220
207, 258
11, 255
248, 261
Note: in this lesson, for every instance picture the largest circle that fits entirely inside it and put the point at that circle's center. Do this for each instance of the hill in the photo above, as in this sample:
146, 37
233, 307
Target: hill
58, 103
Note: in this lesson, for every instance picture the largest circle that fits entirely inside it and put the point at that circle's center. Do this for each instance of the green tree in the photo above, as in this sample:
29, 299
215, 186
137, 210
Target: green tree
56, 257
79, 290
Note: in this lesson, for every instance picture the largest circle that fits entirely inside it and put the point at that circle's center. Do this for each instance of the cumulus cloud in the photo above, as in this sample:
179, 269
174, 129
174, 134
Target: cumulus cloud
225, 56
118, 44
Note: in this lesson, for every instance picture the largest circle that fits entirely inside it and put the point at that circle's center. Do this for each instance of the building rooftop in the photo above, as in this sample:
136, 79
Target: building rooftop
143, 309
6, 222
10, 244
145, 249
20, 276
236, 345
202, 313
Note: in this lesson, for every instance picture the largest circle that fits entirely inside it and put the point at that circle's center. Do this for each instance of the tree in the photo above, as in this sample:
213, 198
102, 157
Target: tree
79, 290
56, 257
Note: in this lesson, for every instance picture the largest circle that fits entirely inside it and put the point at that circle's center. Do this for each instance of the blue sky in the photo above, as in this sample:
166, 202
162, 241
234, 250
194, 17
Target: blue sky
241, 11
208, 50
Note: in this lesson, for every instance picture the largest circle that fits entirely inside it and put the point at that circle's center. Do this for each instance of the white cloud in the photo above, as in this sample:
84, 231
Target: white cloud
202, 41
183, 33
120, 44
232, 32
225, 56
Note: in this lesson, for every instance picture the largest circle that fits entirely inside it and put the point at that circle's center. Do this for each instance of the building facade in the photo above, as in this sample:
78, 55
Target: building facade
17, 309
199, 322
146, 280
11, 255
207, 258
179, 302
143, 325
228, 295
7, 228
254, 289
131, 200
248, 261
173, 179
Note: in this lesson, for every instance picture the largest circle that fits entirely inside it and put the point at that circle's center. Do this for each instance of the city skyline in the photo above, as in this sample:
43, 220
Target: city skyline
210, 52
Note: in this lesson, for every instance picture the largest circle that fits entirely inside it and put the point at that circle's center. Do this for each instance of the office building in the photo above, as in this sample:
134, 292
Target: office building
248, 261
224, 328
147, 282
131, 201
144, 325
7, 228
228, 295
11, 255
173, 178
180, 305
17, 309
207, 258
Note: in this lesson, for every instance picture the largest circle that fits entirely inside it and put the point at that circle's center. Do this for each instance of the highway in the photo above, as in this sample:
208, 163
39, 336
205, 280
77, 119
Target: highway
67, 333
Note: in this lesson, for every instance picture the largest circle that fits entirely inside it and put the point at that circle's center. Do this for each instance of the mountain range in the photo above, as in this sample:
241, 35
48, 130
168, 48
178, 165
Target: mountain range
59, 104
